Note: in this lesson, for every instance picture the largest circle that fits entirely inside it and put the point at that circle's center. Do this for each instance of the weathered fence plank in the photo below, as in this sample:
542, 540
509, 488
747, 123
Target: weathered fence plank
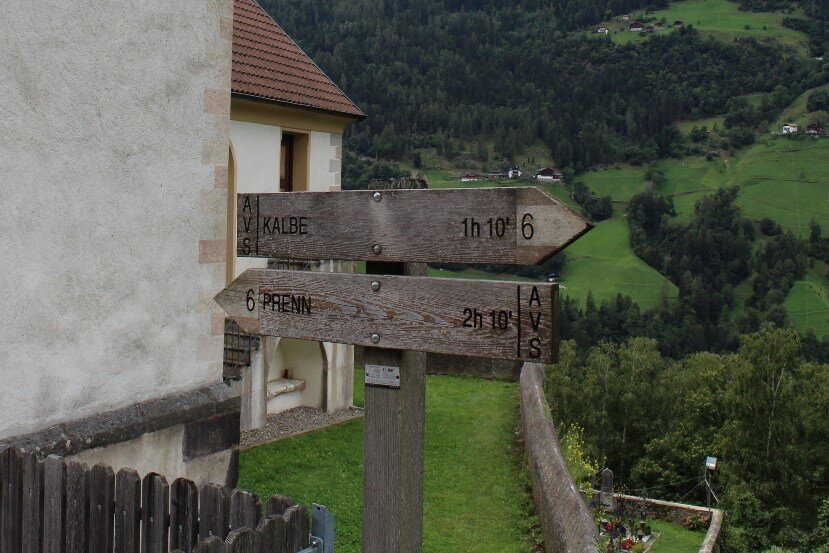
296, 524
240, 540
101, 508
155, 510
184, 515
127, 511
32, 504
77, 500
278, 504
214, 511
245, 509
213, 544
271, 535
12, 500
54, 504
59, 506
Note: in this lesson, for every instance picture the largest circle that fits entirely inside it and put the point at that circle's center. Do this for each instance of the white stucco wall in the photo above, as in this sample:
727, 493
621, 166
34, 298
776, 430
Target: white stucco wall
161, 452
113, 135
257, 160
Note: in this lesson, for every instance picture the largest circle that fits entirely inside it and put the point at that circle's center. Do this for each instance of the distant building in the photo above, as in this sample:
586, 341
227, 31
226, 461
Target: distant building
679, 24
514, 173
791, 128
549, 174
469, 177
603, 30
625, 17
637, 27
495, 175
814, 129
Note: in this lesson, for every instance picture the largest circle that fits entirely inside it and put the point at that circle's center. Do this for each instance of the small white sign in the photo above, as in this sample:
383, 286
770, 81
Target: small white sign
382, 376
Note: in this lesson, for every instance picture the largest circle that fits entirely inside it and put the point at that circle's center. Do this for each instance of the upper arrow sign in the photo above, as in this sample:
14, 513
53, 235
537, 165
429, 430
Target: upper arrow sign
522, 226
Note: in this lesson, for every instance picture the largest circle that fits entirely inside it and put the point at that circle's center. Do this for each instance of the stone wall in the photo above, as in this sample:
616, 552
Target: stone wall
566, 522
677, 513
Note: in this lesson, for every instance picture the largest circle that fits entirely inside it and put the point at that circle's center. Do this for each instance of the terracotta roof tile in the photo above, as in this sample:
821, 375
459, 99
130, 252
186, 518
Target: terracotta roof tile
269, 65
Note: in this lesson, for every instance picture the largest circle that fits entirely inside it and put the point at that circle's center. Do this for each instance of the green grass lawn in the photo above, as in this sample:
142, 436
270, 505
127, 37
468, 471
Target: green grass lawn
796, 112
720, 19
808, 302
621, 182
785, 179
603, 262
475, 486
674, 538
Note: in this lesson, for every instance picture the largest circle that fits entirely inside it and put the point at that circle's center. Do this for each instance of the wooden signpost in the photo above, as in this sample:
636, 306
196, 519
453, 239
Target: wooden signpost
396, 312
522, 226
502, 320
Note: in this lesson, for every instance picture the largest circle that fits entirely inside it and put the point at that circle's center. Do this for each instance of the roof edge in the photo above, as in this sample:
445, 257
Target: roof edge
307, 107
289, 37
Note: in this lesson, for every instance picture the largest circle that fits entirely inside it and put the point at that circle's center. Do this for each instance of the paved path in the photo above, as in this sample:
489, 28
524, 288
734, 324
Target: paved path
295, 421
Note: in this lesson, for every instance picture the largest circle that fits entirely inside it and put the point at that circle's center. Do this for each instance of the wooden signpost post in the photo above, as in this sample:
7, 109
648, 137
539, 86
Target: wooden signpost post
397, 313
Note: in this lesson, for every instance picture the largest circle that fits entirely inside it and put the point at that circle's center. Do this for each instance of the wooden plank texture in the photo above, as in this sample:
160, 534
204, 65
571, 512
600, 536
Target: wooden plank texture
155, 510
101, 508
213, 544
12, 519
393, 443
77, 500
184, 515
296, 528
271, 535
32, 529
214, 511
54, 504
278, 504
485, 225
505, 320
245, 509
241, 540
127, 511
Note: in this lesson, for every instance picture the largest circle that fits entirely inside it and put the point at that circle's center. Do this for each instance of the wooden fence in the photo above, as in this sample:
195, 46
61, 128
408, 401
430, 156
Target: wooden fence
58, 506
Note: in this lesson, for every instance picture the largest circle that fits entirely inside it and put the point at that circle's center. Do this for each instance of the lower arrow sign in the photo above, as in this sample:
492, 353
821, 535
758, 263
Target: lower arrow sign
504, 320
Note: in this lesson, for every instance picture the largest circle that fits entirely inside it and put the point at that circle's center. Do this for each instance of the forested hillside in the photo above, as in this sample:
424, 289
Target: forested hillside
696, 313
456, 75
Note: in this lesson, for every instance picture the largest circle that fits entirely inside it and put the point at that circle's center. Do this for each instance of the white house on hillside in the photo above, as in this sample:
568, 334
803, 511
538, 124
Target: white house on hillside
791, 128
286, 124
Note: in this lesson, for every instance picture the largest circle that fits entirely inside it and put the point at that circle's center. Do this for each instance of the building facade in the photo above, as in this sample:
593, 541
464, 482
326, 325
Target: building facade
113, 147
287, 123
122, 150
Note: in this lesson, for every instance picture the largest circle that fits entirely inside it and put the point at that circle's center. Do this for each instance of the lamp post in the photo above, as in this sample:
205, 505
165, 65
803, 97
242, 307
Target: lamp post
710, 467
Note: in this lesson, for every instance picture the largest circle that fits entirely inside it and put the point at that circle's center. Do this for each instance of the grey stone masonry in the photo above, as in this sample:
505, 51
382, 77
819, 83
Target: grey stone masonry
212, 403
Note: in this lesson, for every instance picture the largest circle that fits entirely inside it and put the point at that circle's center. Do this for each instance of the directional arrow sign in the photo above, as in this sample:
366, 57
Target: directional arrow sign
521, 226
506, 320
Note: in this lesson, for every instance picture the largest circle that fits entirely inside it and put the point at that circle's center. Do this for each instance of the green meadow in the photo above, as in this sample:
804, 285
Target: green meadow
674, 538
720, 19
808, 302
